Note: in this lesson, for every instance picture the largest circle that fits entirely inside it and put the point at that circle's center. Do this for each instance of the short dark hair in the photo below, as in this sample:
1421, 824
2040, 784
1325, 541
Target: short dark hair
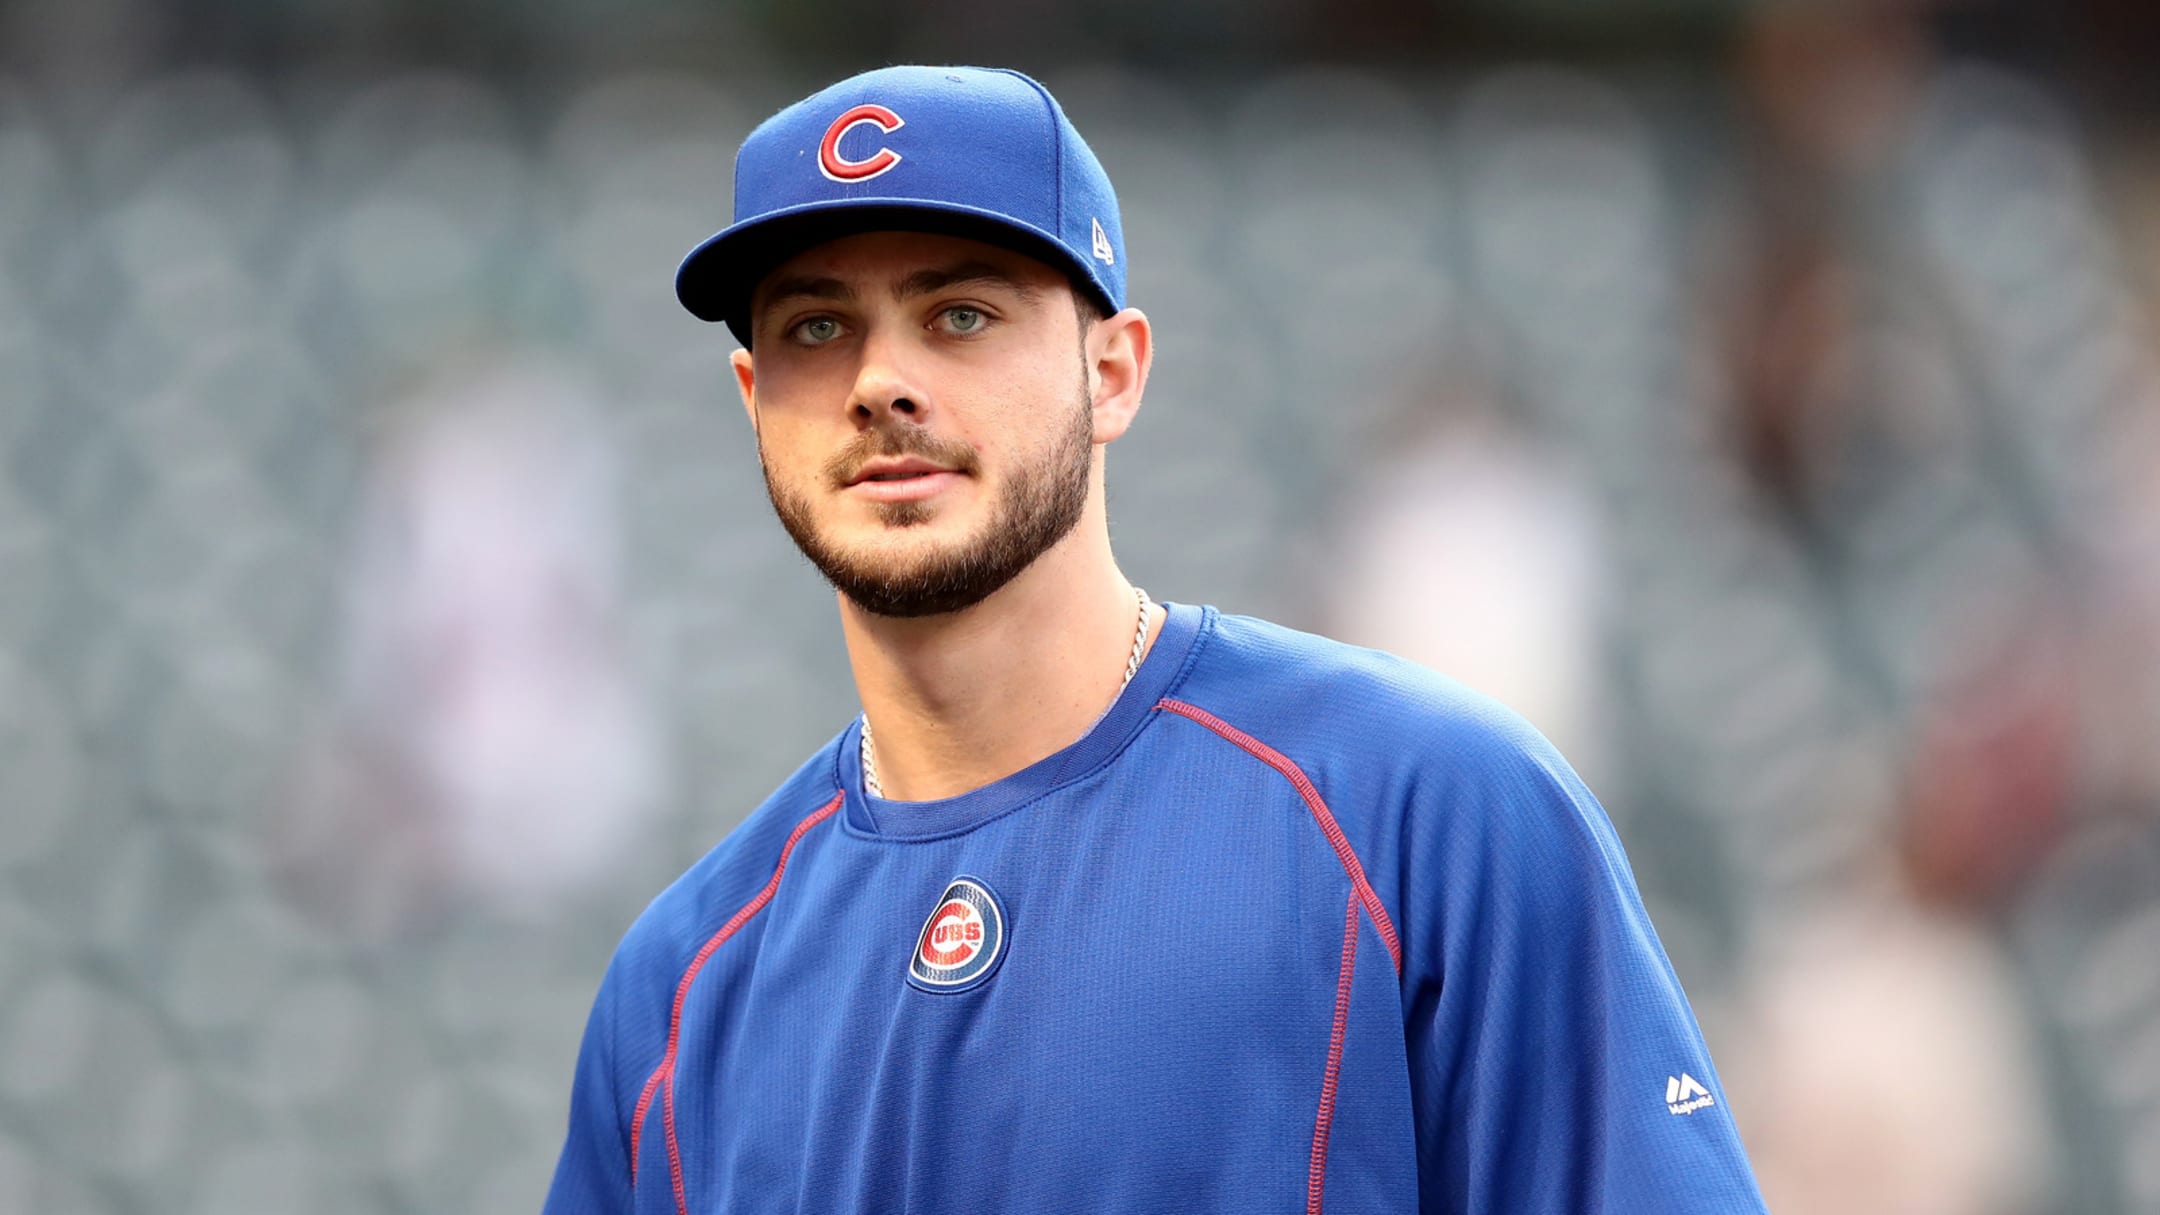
1087, 307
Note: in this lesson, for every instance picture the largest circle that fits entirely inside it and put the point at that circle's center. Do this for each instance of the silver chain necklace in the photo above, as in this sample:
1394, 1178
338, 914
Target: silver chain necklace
1132, 667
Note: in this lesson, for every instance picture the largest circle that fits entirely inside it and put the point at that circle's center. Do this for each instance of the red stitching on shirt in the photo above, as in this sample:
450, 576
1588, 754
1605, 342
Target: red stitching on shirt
644, 1106
1313, 801
1316, 1179
665, 1073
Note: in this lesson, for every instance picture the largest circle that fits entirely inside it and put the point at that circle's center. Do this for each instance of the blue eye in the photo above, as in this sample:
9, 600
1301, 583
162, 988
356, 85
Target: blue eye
965, 320
817, 330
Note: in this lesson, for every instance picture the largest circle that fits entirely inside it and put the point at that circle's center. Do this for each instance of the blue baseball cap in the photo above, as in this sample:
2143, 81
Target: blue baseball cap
977, 152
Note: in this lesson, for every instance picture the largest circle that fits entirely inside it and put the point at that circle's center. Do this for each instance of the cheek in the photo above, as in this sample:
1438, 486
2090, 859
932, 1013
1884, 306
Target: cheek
1022, 404
785, 448
797, 405
795, 387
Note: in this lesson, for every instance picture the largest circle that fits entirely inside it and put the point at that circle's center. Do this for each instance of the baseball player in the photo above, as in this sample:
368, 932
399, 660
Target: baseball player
1103, 905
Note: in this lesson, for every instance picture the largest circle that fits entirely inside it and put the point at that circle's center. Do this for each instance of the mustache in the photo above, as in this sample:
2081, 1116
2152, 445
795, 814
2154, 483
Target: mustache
883, 443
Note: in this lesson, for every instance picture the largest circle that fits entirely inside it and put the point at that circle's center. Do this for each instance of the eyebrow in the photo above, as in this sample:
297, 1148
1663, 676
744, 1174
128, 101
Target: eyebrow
807, 287
922, 282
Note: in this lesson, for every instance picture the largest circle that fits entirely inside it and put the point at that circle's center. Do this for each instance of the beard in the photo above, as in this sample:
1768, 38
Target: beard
1040, 504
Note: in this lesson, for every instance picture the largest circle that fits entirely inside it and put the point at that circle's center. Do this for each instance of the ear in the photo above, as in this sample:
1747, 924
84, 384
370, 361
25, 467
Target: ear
1120, 350
746, 383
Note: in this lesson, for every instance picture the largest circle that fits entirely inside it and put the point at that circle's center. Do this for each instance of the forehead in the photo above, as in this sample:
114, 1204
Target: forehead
881, 261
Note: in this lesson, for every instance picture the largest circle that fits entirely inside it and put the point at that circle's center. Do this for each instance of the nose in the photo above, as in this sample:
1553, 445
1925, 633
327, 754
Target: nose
886, 386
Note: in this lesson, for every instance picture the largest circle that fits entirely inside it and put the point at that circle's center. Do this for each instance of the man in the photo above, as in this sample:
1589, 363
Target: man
1102, 905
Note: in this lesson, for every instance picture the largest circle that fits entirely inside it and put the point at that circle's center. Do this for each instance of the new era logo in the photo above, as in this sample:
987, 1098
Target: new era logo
1684, 1094
1102, 246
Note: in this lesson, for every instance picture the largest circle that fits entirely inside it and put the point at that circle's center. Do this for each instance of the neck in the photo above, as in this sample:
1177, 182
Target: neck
960, 700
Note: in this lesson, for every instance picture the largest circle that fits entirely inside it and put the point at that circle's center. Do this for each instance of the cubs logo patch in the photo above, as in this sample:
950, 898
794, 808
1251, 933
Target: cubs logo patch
839, 168
963, 940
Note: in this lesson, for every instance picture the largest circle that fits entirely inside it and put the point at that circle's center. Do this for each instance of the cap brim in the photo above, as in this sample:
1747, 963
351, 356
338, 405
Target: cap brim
717, 279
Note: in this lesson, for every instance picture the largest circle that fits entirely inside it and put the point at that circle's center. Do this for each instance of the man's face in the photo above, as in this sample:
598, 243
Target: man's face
922, 414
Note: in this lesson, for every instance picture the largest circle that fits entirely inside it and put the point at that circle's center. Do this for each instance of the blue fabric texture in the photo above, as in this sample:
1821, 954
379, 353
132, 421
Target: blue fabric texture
1171, 1025
981, 152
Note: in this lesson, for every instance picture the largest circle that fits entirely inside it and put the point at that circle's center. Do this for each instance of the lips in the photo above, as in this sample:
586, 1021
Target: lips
895, 479
886, 471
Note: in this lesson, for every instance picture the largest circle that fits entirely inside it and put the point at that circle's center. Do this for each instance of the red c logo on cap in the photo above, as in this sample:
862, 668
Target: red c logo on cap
840, 169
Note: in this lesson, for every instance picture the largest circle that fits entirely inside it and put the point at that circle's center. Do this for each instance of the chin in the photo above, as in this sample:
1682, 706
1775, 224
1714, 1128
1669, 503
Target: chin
900, 549
904, 514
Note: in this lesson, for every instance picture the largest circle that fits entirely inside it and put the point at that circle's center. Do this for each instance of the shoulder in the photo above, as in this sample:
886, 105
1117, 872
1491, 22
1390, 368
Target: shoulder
1302, 691
683, 917
1426, 777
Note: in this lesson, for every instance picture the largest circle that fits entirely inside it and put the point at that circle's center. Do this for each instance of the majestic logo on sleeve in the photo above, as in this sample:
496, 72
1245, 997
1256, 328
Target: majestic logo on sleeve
962, 941
1684, 1094
832, 164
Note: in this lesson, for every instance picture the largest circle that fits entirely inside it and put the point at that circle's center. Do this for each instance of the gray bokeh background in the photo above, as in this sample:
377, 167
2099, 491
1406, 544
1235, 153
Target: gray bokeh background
250, 254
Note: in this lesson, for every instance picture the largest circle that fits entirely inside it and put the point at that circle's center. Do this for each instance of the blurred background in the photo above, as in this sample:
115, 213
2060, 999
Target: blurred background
1761, 397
